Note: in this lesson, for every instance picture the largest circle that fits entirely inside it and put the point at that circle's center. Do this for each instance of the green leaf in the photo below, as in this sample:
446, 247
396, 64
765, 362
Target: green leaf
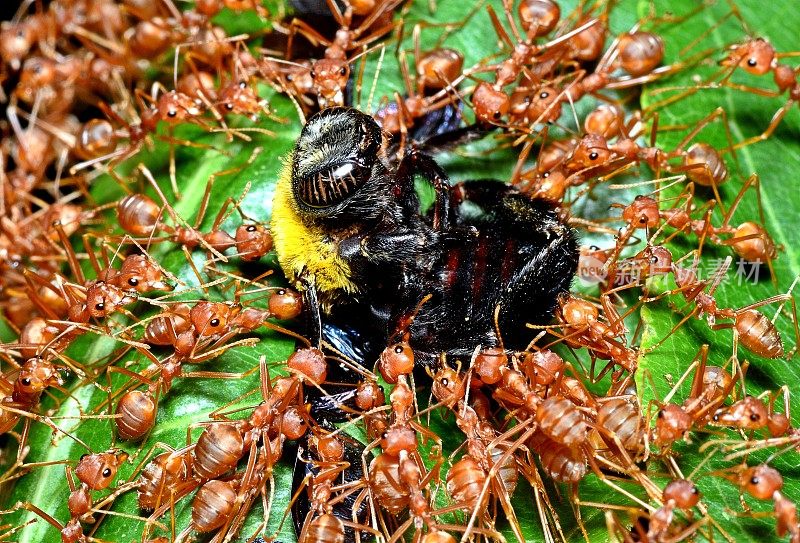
191, 400
775, 160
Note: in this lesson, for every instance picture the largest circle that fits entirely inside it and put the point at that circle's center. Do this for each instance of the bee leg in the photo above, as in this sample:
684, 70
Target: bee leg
401, 245
415, 162
314, 320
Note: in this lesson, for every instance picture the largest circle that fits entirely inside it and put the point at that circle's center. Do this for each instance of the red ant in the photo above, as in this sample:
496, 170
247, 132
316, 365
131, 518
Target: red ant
331, 73
489, 101
766, 483
751, 328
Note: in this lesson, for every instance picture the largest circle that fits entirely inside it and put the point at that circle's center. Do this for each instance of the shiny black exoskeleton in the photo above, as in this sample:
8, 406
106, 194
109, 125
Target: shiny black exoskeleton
438, 278
483, 245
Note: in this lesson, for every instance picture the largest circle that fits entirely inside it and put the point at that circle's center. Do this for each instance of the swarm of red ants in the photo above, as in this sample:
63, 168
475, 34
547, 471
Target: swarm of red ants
94, 308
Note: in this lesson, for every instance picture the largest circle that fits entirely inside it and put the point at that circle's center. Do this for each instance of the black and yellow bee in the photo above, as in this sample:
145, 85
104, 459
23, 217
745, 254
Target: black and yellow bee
348, 230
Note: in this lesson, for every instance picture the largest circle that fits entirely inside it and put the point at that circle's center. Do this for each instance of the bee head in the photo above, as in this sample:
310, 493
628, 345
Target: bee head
333, 159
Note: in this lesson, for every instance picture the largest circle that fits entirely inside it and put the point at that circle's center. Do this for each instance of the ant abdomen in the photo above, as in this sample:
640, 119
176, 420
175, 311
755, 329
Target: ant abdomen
704, 165
563, 464
137, 412
95, 139
539, 17
384, 477
138, 214
621, 418
213, 505
640, 52
562, 421
162, 477
752, 242
465, 482
218, 450
758, 334
325, 528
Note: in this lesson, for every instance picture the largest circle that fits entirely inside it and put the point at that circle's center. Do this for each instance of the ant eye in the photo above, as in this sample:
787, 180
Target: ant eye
172, 113
754, 480
229, 106
281, 292
496, 115
544, 95
661, 414
25, 381
343, 71
251, 228
752, 62
694, 490
107, 472
593, 156
546, 175
653, 259
214, 322
445, 381
242, 84
313, 74
100, 306
755, 416
133, 281
398, 349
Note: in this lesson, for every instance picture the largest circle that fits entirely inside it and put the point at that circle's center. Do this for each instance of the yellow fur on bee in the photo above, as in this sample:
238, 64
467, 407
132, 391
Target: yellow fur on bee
301, 246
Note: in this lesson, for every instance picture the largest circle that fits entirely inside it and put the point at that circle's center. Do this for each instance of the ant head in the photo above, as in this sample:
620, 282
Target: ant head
683, 492
760, 481
310, 363
490, 104
755, 56
330, 78
642, 213
369, 395
98, 470
396, 360
209, 318
448, 386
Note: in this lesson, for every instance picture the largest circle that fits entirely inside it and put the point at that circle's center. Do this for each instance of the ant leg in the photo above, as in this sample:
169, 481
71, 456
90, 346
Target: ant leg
384, 7
299, 26
72, 258
776, 120
752, 181
498, 27
753, 90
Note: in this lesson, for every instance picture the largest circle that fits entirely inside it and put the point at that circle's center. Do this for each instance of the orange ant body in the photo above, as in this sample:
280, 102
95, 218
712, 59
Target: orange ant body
711, 385
751, 328
765, 483
331, 73
758, 57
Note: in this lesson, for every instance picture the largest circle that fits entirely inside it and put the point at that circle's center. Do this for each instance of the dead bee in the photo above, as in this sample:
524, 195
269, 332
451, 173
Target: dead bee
348, 231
